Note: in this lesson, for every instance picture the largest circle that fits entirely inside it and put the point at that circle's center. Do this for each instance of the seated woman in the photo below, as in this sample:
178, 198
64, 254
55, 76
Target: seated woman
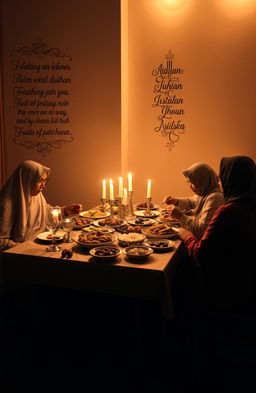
23, 206
208, 197
225, 254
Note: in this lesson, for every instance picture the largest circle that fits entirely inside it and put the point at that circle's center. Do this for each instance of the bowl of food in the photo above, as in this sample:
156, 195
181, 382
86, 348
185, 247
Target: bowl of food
90, 240
128, 239
96, 229
142, 221
80, 222
161, 245
110, 221
138, 252
166, 217
145, 213
127, 228
105, 253
144, 205
160, 231
95, 214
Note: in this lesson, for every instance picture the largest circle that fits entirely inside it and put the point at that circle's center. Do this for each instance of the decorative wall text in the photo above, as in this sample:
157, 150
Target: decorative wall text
41, 90
168, 100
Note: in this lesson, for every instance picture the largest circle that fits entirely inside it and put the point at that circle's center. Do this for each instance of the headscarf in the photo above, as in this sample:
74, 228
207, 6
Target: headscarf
22, 215
203, 177
238, 177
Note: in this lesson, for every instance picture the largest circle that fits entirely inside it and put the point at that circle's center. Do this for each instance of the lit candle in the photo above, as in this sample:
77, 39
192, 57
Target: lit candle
55, 213
111, 190
149, 189
120, 187
129, 181
124, 201
104, 188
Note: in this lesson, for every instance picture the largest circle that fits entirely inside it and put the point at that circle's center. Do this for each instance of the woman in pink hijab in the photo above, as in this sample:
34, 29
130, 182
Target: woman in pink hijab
23, 206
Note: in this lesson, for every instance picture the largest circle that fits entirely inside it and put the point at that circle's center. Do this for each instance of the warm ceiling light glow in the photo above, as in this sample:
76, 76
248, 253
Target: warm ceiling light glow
239, 3
238, 7
173, 5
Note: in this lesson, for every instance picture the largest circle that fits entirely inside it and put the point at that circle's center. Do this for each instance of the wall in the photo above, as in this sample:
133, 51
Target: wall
214, 43
89, 32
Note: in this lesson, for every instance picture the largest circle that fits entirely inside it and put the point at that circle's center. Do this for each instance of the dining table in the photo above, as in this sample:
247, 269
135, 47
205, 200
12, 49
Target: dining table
149, 278
131, 298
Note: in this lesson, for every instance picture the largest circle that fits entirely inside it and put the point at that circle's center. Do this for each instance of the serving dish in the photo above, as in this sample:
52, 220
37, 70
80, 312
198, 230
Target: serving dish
47, 236
160, 231
81, 222
126, 228
94, 214
105, 253
136, 252
161, 245
90, 240
127, 239
143, 206
97, 229
166, 217
142, 221
109, 221
143, 213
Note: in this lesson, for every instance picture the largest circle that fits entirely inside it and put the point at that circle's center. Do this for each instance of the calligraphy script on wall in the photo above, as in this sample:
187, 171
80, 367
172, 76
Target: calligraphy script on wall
168, 100
41, 97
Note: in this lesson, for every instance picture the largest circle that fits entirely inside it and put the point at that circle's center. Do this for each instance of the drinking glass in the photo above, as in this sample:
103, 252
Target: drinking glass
68, 225
53, 223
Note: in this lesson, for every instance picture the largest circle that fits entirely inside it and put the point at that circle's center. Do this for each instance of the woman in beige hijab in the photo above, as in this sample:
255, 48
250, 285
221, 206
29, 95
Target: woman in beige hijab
208, 197
23, 206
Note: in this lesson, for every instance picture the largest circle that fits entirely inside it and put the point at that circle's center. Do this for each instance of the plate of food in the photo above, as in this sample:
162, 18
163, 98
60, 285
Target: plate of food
95, 214
136, 252
142, 221
109, 221
166, 217
90, 240
161, 245
160, 231
128, 239
143, 213
105, 253
96, 229
47, 236
81, 222
127, 228
144, 205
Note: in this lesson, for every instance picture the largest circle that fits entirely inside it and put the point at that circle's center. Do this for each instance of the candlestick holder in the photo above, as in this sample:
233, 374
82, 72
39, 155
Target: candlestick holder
125, 211
130, 203
103, 202
120, 213
111, 203
148, 210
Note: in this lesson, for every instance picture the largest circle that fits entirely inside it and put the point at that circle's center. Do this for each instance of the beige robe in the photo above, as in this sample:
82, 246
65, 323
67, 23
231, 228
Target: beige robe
206, 203
22, 216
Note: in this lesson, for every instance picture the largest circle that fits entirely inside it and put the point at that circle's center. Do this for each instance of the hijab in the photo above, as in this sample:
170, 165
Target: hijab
22, 215
238, 177
203, 177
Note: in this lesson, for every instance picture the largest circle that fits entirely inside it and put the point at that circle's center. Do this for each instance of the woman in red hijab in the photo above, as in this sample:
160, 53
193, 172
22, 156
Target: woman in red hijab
225, 255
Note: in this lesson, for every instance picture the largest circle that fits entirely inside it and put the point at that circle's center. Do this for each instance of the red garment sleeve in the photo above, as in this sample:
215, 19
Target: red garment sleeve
212, 240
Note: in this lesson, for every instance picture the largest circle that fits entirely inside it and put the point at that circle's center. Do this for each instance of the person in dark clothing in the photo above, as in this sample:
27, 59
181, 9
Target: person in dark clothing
225, 255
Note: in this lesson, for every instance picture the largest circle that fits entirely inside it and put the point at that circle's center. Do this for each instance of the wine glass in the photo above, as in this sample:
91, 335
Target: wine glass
68, 224
53, 223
